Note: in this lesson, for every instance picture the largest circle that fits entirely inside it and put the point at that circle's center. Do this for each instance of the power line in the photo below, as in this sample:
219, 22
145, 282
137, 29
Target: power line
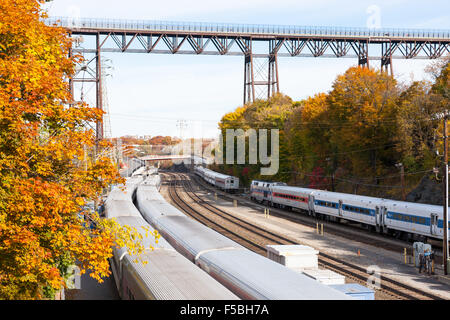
355, 179
346, 152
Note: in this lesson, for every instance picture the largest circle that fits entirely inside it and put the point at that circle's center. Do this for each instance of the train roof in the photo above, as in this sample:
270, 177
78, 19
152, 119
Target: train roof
196, 236
292, 188
219, 175
268, 279
406, 204
142, 227
346, 196
155, 204
170, 276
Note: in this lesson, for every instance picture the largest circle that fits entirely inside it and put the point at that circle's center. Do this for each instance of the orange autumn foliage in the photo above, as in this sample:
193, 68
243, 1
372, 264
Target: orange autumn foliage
46, 175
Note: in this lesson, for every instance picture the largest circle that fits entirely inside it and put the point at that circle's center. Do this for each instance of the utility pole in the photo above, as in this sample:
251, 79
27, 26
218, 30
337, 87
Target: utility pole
402, 173
445, 220
402, 179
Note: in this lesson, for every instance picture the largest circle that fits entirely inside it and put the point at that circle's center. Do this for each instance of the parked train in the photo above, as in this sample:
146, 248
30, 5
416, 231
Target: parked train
245, 273
167, 275
400, 218
219, 180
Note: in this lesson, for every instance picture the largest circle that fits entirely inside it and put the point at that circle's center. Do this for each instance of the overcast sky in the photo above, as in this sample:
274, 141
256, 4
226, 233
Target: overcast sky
148, 93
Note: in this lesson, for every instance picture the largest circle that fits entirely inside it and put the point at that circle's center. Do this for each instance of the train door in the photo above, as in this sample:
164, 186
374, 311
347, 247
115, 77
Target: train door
377, 218
311, 206
340, 208
383, 219
434, 223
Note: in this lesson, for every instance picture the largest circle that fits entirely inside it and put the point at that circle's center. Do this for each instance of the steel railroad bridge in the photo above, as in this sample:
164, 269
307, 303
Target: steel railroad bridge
246, 40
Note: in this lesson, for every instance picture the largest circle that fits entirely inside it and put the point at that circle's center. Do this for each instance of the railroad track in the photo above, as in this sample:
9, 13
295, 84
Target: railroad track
256, 238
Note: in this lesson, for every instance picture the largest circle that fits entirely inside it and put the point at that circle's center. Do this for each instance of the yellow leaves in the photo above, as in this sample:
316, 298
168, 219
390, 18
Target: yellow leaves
43, 183
314, 106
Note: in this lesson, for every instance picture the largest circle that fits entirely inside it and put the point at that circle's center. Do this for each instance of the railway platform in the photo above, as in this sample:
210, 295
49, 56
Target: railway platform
386, 262
90, 289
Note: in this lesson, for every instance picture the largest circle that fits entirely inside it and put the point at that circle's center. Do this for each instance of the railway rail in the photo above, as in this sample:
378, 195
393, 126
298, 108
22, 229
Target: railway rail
255, 238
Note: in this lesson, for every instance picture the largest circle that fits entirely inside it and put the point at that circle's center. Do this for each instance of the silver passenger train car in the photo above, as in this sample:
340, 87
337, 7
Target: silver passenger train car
245, 273
219, 180
168, 275
400, 218
260, 190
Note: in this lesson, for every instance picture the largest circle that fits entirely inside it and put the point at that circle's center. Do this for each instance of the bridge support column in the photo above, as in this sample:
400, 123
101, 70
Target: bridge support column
362, 51
71, 83
386, 58
259, 84
249, 83
99, 93
273, 83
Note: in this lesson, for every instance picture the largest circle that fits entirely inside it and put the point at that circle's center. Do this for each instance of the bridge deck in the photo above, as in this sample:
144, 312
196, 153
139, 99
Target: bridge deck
255, 31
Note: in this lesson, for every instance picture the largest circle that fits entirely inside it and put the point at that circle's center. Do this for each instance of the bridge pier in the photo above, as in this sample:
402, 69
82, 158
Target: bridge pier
94, 76
249, 83
386, 58
255, 75
362, 50
99, 93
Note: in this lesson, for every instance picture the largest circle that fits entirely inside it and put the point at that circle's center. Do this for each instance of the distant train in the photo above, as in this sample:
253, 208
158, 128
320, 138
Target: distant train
399, 218
219, 180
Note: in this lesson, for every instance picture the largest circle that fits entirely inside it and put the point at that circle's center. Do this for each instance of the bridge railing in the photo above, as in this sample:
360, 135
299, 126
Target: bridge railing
135, 25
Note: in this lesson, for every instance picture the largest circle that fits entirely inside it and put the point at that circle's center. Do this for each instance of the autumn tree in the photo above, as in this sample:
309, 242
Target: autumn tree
362, 114
261, 114
46, 175
308, 135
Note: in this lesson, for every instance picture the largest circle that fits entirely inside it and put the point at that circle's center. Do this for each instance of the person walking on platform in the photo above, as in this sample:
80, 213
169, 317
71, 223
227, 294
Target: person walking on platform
421, 262
428, 258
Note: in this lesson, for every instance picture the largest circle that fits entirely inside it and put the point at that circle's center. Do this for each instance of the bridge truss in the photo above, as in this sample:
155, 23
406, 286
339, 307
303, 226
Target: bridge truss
260, 67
